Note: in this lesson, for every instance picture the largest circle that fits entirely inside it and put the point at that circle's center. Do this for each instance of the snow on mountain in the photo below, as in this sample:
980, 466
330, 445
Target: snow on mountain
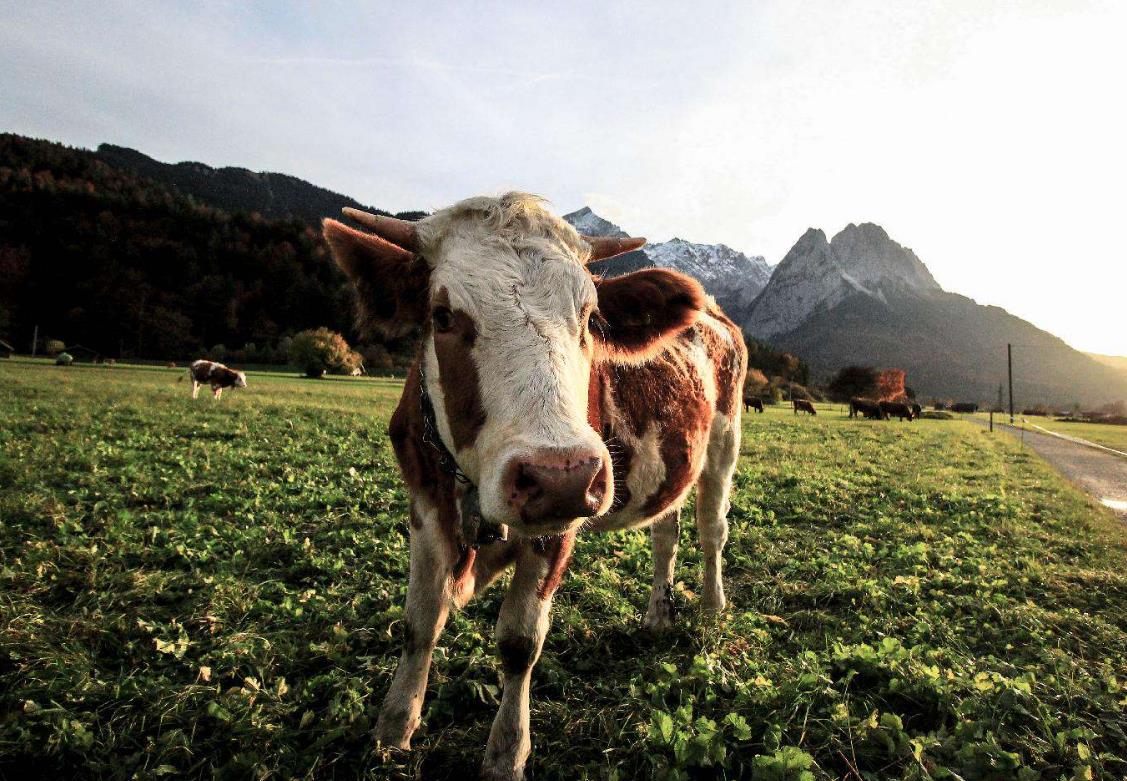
733, 278
817, 274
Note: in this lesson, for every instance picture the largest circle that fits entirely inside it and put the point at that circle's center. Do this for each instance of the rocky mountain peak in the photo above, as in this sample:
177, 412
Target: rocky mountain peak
877, 262
818, 274
590, 224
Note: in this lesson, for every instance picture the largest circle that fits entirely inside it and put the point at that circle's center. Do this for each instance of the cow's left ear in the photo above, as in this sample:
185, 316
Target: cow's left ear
392, 283
640, 312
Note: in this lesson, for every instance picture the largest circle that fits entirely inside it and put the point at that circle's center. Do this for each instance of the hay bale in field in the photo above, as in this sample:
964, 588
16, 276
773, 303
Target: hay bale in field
936, 415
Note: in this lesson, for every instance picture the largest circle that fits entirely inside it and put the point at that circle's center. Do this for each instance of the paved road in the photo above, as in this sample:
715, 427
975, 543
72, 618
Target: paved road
1101, 474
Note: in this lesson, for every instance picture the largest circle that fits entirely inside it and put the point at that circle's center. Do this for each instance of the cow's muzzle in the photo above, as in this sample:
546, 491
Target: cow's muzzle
552, 488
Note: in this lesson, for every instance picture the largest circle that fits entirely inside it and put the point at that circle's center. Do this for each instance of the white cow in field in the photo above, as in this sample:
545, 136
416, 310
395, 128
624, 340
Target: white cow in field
543, 400
218, 376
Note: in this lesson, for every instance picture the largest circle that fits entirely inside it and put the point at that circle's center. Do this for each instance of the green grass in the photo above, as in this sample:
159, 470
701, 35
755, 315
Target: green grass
1104, 434
214, 590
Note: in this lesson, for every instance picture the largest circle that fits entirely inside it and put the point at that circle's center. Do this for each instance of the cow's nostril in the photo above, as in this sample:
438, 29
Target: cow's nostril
525, 482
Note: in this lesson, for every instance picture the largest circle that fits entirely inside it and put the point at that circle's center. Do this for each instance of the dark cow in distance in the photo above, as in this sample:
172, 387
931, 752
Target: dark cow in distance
964, 407
753, 403
870, 408
218, 376
528, 367
897, 409
917, 410
804, 405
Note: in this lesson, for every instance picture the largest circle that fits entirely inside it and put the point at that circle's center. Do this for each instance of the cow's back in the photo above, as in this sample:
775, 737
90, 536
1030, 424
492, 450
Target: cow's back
657, 417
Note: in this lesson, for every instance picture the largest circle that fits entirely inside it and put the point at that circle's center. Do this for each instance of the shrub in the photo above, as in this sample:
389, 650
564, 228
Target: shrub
321, 351
54, 346
756, 381
890, 384
64, 359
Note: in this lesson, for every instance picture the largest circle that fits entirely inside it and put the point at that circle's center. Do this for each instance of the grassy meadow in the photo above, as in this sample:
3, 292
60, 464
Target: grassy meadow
191, 589
1104, 434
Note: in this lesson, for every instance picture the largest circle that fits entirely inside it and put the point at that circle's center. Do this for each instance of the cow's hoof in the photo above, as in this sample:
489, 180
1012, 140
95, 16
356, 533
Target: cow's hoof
713, 602
658, 620
490, 773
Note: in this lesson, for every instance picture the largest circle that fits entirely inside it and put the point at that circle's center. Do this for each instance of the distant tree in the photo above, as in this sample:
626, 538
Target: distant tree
890, 384
321, 351
1117, 408
755, 382
853, 382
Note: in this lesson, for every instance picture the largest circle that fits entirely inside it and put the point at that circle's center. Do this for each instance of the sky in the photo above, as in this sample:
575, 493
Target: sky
987, 136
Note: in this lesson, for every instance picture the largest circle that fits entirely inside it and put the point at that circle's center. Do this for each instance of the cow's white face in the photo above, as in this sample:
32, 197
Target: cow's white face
240, 380
499, 289
507, 359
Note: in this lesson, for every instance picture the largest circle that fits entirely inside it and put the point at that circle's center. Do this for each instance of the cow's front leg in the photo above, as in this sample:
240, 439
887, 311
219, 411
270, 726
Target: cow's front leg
665, 532
195, 389
428, 603
521, 627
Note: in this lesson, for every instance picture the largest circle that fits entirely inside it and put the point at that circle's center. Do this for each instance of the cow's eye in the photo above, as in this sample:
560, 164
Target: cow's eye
443, 319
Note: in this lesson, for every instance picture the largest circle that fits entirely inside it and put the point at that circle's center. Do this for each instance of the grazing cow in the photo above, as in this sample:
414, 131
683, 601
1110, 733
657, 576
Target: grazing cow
897, 409
917, 410
542, 399
753, 403
218, 376
868, 407
805, 405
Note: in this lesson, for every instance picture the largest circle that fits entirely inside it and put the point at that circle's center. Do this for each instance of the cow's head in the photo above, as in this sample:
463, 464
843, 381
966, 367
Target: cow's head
240, 379
512, 323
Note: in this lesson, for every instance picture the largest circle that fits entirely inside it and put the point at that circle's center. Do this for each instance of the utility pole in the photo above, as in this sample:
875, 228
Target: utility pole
999, 406
34, 340
1010, 370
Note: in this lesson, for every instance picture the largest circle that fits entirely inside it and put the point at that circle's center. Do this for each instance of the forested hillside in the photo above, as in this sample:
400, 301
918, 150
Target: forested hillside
132, 267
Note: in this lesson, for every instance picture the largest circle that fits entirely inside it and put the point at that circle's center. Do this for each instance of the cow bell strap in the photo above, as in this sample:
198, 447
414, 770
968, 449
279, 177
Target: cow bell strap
476, 530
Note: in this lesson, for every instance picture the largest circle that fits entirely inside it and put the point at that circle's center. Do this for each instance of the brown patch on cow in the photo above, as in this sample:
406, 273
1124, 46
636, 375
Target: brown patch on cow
667, 392
621, 454
457, 374
638, 313
463, 569
391, 283
728, 358
557, 550
419, 462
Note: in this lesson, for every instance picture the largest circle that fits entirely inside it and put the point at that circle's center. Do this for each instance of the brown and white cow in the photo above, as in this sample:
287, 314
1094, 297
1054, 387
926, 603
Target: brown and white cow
218, 376
561, 400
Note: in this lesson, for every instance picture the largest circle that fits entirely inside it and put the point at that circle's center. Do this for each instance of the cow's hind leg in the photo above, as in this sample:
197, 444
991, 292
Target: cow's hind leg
428, 603
664, 532
195, 389
713, 489
521, 627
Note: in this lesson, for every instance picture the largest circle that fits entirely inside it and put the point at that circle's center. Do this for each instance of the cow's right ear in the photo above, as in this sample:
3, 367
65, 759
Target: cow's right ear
392, 283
